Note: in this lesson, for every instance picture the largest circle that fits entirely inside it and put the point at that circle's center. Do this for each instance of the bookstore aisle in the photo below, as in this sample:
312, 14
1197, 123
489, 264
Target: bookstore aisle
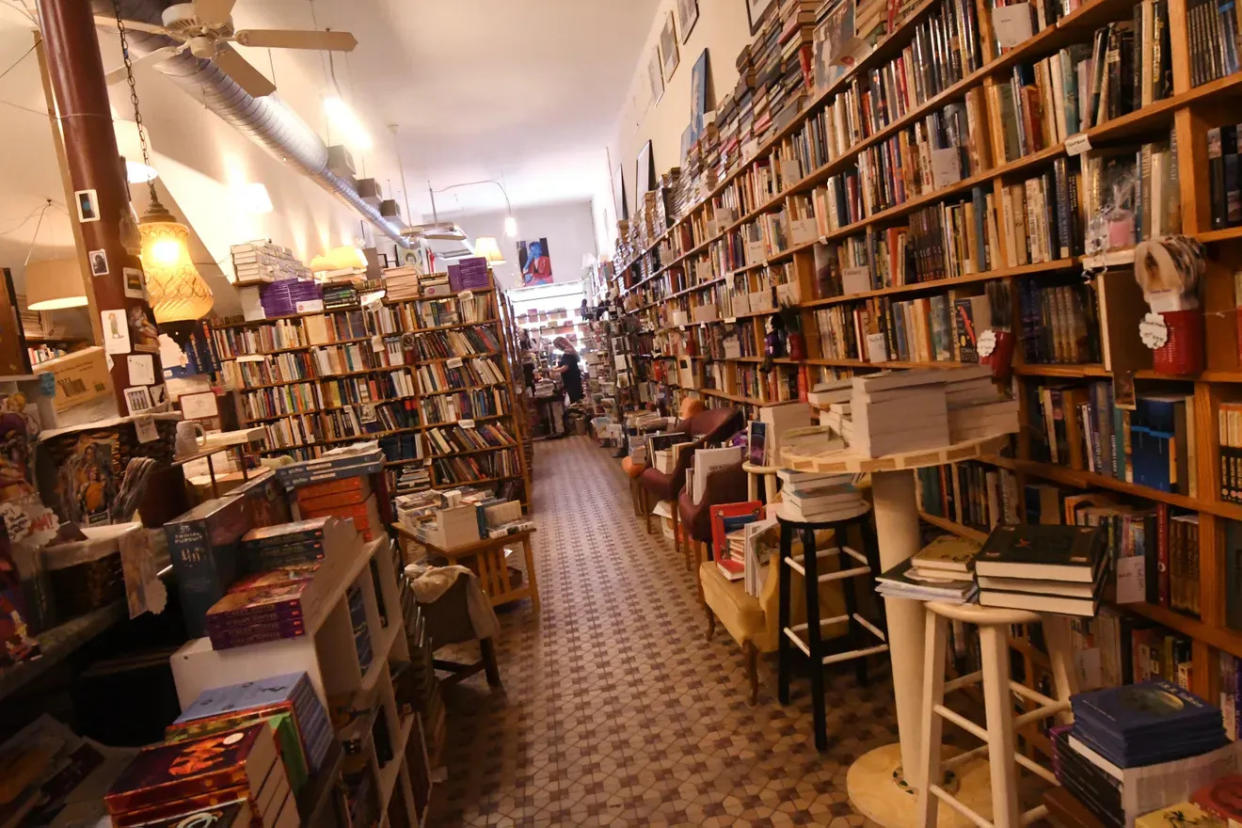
614, 711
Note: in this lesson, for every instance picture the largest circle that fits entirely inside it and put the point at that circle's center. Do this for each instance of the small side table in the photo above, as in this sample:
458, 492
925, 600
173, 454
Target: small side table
486, 558
753, 473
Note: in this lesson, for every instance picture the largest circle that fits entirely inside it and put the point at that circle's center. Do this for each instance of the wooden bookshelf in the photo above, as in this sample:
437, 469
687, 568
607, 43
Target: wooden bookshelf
662, 279
319, 416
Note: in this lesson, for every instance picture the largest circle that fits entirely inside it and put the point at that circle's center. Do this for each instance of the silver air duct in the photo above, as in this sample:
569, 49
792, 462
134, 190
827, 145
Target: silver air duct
266, 120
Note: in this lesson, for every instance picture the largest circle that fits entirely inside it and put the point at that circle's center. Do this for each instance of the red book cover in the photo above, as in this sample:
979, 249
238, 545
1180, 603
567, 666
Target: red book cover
358, 483
1222, 798
728, 517
192, 810
165, 773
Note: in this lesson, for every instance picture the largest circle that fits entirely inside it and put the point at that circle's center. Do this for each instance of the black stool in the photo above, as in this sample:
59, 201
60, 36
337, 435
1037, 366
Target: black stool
812, 647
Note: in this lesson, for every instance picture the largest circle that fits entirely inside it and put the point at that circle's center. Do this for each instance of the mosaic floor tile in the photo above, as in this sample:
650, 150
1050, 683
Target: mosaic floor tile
616, 711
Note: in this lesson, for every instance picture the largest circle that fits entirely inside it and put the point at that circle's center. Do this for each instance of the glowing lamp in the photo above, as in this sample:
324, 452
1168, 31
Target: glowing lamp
487, 247
175, 287
54, 285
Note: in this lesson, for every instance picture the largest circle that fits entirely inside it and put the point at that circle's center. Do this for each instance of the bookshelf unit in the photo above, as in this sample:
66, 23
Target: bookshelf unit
404, 373
683, 282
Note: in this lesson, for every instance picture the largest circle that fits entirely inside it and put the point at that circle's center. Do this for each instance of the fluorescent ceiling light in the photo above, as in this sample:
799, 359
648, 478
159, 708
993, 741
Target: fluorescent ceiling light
345, 122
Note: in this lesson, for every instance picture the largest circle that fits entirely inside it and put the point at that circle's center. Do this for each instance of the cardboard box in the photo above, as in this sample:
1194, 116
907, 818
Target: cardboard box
81, 378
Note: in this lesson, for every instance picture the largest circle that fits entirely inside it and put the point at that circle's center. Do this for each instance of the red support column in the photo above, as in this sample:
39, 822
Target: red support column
96, 173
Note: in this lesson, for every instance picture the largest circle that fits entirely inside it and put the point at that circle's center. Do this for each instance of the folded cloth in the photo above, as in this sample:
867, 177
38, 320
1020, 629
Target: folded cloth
431, 582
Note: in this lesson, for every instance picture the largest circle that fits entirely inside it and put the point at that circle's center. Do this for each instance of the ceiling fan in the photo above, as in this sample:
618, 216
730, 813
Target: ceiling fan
205, 29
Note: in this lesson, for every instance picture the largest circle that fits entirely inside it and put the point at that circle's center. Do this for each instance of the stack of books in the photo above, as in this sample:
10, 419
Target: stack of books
1044, 568
238, 773
976, 409
1136, 748
809, 497
261, 261
881, 405
941, 571
401, 283
730, 522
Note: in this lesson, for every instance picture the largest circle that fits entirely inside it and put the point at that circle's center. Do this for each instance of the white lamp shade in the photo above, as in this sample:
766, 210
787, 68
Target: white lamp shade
487, 247
55, 284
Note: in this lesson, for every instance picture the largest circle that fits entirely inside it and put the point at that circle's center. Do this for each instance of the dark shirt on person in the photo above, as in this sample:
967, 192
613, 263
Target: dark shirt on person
572, 378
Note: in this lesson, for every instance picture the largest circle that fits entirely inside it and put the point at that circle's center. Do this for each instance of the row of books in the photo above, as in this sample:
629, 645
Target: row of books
450, 343
458, 374
1224, 176
448, 408
293, 431
355, 420
971, 494
1040, 216
1059, 321
455, 470
393, 385
452, 439
1153, 445
275, 369
401, 447
1214, 31
298, 398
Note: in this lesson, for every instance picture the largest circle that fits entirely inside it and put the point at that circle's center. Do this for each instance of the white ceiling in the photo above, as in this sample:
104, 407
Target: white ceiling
527, 92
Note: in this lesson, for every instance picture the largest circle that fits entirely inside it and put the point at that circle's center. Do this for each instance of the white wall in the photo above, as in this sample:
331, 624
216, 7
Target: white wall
567, 226
723, 30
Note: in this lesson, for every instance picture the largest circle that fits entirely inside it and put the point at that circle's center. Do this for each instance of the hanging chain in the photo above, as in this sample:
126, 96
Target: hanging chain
133, 93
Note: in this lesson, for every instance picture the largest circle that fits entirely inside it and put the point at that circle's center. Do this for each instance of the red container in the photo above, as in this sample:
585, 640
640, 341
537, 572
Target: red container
1182, 353
1001, 358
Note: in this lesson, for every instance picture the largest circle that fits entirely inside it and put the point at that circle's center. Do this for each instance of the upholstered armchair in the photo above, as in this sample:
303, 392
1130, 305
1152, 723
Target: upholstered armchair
727, 485
712, 425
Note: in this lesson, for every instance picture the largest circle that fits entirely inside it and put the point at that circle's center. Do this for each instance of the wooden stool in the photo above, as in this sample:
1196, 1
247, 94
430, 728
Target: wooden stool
813, 647
753, 473
998, 736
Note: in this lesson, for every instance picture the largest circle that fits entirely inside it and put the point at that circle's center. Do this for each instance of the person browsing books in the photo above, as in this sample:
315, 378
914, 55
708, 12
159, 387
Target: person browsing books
567, 367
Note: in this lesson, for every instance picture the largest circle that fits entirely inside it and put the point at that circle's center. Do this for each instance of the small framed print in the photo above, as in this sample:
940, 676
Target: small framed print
87, 203
133, 283
141, 369
159, 395
99, 262
198, 406
115, 332
138, 398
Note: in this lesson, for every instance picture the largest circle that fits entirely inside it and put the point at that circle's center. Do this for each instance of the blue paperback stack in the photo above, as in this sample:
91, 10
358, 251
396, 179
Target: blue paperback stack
1145, 724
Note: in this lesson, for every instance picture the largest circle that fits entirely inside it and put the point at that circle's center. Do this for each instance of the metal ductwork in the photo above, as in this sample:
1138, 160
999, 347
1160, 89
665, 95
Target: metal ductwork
267, 121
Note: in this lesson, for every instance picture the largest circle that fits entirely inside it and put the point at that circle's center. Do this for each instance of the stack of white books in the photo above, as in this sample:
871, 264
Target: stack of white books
401, 283
977, 409
895, 412
261, 261
941, 571
707, 461
809, 497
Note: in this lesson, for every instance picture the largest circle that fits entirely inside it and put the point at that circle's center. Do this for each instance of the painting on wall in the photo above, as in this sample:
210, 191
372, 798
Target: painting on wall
755, 10
700, 95
654, 77
687, 16
668, 47
534, 262
619, 194
644, 173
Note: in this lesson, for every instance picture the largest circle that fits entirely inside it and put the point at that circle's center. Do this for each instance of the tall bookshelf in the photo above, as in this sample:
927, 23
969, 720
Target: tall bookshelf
429, 378
683, 284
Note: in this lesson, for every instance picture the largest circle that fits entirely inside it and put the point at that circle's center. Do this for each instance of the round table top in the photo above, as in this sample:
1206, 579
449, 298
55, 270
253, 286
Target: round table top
980, 615
848, 461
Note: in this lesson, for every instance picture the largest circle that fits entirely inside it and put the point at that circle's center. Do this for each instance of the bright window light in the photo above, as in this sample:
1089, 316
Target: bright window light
253, 198
138, 173
345, 122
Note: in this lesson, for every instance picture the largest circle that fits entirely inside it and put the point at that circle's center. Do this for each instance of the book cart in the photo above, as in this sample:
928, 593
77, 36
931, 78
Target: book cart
387, 379
772, 233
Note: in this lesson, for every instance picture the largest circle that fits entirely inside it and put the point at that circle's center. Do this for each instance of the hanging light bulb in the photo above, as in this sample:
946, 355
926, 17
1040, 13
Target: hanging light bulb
175, 288
510, 226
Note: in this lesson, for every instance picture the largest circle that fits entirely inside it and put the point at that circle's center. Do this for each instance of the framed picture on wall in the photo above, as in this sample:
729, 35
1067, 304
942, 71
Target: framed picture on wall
687, 141
668, 47
755, 10
622, 203
700, 94
645, 172
655, 77
687, 16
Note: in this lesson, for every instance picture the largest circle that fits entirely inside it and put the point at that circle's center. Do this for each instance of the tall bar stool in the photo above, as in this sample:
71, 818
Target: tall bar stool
808, 637
753, 475
998, 735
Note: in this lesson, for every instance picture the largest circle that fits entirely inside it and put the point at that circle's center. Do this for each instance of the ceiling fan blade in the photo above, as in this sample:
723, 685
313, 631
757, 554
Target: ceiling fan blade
213, 12
247, 77
109, 23
118, 74
297, 39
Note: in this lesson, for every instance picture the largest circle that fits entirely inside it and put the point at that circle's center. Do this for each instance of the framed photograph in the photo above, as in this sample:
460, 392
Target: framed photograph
623, 205
87, 203
644, 173
655, 77
700, 94
133, 282
687, 16
668, 47
99, 262
138, 398
755, 11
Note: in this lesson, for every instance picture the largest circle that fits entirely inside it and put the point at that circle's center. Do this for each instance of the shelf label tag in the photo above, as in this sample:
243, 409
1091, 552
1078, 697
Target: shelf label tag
377, 343
1077, 144
466, 423
455, 362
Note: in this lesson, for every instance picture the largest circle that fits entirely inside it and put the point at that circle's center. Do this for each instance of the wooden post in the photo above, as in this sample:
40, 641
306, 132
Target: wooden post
96, 174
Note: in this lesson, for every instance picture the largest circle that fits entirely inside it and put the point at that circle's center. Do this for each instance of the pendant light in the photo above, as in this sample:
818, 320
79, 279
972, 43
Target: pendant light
175, 288
487, 247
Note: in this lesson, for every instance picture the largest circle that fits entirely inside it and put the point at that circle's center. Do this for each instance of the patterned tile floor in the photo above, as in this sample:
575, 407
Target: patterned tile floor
615, 711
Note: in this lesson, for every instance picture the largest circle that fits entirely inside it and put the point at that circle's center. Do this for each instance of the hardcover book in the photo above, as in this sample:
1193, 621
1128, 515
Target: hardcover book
1061, 553
1222, 798
236, 814
169, 772
203, 546
948, 552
